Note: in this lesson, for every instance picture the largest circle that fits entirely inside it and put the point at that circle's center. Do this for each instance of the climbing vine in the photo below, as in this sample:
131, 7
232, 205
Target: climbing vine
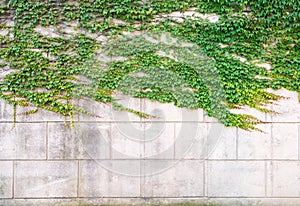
218, 72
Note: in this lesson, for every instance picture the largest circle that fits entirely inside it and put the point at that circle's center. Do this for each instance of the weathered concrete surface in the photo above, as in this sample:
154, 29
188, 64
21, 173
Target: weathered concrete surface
189, 140
6, 177
226, 145
169, 112
159, 140
22, 141
171, 178
255, 145
284, 178
152, 201
6, 114
287, 108
46, 179
105, 112
84, 141
236, 179
113, 178
174, 156
285, 141
127, 140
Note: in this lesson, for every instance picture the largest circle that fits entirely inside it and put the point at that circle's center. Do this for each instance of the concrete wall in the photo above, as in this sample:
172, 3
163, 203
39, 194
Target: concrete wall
179, 155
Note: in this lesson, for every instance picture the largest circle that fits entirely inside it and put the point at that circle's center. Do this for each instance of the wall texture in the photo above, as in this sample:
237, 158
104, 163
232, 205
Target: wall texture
179, 155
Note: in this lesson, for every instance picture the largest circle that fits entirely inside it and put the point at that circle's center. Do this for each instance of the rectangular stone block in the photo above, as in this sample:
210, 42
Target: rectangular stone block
99, 111
7, 114
23, 141
38, 202
189, 140
288, 108
6, 179
127, 102
209, 119
269, 114
255, 144
45, 179
127, 140
251, 111
115, 178
6, 111
266, 201
235, 179
169, 112
159, 140
221, 141
285, 141
283, 179
83, 141
106, 112
172, 178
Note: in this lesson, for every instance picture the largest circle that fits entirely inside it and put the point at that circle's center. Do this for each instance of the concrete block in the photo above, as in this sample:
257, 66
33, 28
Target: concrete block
159, 140
269, 106
169, 112
7, 114
221, 141
173, 178
189, 140
255, 144
269, 114
41, 116
251, 111
46, 179
283, 179
115, 178
6, 179
83, 141
287, 108
209, 119
23, 141
39, 202
106, 112
151, 201
6, 111
100, 111
128, 102
285, 141
255, 201
235, 179
127, 140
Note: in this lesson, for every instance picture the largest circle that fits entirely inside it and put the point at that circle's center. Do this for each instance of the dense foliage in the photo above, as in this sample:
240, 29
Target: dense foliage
51, 71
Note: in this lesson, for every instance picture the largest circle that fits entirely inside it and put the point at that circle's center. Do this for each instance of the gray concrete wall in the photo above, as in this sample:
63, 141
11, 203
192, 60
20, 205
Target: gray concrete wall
179, 155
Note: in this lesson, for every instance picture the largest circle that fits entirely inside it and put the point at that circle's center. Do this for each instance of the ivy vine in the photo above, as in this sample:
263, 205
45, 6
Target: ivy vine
50, 71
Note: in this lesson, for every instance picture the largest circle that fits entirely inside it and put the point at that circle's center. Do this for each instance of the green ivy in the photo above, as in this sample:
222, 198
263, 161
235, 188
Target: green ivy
52, 72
